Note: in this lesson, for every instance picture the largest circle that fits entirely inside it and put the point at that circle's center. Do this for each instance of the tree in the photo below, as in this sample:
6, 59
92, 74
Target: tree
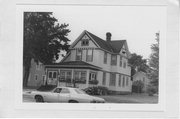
138, 63
43, 40
154, 63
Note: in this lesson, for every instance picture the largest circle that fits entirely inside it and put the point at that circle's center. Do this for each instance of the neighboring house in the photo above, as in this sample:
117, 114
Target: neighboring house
142, 76
93, 61
37, 75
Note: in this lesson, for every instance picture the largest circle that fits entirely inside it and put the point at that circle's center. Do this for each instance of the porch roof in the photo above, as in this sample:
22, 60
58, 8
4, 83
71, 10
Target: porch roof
72, 65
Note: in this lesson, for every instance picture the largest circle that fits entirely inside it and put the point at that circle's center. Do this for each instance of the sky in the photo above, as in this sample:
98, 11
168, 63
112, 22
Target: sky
136, 24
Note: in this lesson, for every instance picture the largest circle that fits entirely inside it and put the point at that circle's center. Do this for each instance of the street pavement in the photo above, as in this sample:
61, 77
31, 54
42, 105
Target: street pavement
134, 98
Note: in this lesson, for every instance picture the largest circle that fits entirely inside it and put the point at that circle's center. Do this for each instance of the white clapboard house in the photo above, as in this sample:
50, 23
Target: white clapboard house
92, 61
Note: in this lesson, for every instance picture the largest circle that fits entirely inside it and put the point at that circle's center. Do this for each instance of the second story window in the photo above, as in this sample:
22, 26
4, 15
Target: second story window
120, 63
105, 57
89, 55
85, 42
78, 54
124, 64
113, 59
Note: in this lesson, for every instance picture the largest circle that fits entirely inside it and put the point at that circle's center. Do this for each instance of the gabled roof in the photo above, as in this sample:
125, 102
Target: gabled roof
73, 64
102, 43
117, 45
111, 46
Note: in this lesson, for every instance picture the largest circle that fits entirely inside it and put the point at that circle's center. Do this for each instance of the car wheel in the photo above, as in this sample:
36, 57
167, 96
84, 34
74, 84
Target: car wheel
73, 101
39, 99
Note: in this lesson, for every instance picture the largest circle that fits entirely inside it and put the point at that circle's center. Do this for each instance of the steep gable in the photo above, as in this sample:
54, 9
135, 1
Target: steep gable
113, 46
84, 36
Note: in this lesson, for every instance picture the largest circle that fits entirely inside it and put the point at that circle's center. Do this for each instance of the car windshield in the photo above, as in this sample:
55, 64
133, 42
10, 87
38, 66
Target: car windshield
79, 91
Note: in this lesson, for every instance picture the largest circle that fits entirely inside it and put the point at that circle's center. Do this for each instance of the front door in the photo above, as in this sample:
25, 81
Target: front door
52, 77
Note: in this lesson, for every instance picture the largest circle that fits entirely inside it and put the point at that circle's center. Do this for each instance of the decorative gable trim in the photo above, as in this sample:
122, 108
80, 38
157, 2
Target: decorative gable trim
65, 57
79, 38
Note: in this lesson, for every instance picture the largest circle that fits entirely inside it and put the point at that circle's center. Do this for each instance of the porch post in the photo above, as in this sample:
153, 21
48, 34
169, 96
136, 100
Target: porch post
87, 79
58, 78
72, 76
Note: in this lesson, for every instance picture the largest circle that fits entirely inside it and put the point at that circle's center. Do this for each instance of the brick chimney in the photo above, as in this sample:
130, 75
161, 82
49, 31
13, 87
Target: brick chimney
108, 36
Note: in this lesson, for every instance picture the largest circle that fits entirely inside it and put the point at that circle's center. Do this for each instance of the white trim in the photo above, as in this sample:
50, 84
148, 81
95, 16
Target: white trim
76, 41
65, 56
92, 38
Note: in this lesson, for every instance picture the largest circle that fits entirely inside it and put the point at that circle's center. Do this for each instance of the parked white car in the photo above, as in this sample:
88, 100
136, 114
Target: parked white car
65, 95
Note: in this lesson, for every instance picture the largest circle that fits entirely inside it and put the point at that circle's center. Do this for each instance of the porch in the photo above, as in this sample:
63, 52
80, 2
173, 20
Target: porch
74, 73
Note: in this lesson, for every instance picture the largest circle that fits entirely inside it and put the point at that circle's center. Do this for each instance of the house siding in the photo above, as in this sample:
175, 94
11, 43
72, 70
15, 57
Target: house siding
98, 60
32, 82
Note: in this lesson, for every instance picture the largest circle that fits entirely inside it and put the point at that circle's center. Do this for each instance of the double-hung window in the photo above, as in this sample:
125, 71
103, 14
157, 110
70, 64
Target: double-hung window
112, 81
123, 83
113, 59
89, 55
120, 63
127, 81
124, 64
79, 54
80, 76
104, 78
119, 80
105, 57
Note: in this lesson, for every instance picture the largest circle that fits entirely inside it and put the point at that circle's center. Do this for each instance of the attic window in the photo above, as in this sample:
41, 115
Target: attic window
124, 52
85, 42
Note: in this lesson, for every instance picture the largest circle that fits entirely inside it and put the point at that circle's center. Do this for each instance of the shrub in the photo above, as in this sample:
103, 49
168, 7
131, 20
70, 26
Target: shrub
93, 82
137, 86
151, 90
97, 90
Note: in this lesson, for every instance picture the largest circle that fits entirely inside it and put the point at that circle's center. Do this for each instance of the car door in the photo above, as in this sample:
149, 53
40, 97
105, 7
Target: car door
53, 96
64, 95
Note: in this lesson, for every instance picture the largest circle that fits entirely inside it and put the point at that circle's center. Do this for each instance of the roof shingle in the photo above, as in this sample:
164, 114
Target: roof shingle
112, 46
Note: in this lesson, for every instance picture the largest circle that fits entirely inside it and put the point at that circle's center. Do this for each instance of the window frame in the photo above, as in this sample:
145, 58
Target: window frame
113, 62
112, 81
79, 76
105, 57
77, 50
120, 61
120, 82
90, 76
104, 78
124, 64
85, 42
65, 75
87, 56
123, 83
127, 81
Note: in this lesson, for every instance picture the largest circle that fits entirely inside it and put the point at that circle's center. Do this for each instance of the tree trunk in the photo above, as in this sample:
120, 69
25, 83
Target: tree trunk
26, 71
